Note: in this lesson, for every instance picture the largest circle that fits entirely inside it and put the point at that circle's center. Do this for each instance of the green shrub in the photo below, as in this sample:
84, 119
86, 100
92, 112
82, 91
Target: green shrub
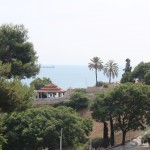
97, 142
105, 85
77, 147
80, 90
78, 100
146, 138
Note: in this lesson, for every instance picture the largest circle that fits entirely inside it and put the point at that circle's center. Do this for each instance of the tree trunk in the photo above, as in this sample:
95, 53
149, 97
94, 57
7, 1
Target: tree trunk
123, 137
112, 136
110, 78
105, 135
96, 76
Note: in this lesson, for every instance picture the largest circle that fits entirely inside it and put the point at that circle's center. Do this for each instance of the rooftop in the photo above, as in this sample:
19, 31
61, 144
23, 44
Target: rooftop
51, 88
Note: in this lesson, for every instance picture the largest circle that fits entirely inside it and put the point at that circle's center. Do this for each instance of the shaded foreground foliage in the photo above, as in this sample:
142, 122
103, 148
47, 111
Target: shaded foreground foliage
40, 128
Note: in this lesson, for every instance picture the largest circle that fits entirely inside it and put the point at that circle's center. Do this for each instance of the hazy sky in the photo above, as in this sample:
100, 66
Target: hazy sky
73, 31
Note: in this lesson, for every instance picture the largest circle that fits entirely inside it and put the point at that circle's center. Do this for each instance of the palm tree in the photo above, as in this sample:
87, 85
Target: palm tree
111, 69
96, 64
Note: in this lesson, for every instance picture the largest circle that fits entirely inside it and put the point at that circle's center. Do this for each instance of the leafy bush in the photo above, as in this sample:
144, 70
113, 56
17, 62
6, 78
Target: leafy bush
105, 85
77, 147
80, 90
78, 100
146, 138
97, 142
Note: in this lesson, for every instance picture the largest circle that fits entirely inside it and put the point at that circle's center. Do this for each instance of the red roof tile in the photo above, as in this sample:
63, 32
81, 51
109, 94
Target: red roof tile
51, 88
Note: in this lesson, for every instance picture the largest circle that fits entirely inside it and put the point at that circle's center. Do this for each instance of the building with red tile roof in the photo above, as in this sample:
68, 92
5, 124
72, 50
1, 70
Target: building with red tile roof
50, 91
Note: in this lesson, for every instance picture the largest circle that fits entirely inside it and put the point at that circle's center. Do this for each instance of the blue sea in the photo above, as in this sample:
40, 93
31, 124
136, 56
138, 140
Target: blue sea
72, 76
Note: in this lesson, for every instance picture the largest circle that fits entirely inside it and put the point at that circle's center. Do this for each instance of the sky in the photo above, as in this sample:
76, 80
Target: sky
74, 31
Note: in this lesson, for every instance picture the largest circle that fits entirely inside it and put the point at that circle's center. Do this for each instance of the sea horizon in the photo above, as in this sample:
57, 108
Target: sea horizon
72, 76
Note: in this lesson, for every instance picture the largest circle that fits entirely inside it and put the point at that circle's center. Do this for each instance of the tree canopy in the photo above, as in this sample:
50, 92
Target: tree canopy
128, 67
4, 69
128, 104
17, 51
127, 75
14, 95
40, 128
78, 100
147, 77
38, 83
140, 70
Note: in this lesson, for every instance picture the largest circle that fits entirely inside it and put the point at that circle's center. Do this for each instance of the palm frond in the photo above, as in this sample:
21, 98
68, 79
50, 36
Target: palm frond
111, 69
95, 63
